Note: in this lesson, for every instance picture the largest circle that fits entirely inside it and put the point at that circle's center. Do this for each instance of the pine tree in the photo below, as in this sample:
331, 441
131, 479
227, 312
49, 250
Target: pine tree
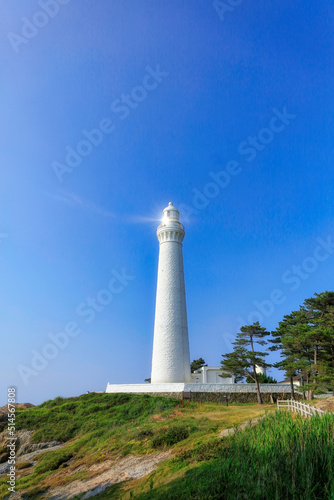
295, 351
320, 311
262, 378
242, 362
306, 340
196, 364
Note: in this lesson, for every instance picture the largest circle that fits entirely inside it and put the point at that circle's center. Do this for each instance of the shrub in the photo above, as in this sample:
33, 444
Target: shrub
23, 465
203, 452
53, 460
144, 434
170, 436
71, 407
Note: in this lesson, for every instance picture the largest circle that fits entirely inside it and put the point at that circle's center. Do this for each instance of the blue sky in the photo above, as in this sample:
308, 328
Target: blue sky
214, 80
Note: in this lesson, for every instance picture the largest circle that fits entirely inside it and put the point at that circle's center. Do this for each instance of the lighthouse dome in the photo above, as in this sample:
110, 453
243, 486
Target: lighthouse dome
171, 212
170, 228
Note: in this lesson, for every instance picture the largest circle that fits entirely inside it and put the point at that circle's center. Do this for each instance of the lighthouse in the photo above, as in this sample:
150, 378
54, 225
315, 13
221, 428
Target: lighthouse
171, 358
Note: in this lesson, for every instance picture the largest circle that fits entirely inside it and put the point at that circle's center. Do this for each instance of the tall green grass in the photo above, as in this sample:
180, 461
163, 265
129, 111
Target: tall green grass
284, 457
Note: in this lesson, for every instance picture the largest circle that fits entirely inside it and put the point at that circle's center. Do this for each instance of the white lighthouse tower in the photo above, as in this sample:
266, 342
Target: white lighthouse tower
171, 358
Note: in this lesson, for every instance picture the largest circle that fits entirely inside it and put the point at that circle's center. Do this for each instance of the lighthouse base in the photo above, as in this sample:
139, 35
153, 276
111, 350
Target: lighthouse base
233, 393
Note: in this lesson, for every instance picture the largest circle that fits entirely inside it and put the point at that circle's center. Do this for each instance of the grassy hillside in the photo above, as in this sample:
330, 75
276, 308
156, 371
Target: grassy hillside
99, 427
284, 456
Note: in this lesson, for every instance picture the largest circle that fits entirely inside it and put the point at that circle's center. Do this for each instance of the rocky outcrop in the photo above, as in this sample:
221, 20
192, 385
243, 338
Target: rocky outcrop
130, 467
25, 449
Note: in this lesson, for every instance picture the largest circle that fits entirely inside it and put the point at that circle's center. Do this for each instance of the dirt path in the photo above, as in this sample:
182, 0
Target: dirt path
326, 404
241, 427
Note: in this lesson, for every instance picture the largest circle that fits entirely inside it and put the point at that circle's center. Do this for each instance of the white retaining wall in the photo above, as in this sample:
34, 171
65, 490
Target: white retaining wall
185, 387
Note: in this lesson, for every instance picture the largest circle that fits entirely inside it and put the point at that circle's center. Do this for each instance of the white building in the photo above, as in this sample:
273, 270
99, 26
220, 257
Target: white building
210, 375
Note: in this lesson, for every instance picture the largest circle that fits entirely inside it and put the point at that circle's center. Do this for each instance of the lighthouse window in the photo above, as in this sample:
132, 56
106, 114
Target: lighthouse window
168, 213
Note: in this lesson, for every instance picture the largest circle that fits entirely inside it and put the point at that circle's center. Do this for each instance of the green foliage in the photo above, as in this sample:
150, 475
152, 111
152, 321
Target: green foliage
284, 456
53, 402
170, 436
202, 452
306, 340
145, 433
262, 379
242, 362
23, 465
52, 460
62, 420
196, 364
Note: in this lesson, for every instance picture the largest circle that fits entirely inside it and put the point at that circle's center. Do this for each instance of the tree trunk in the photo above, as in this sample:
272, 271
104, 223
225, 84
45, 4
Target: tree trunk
302, 385
292, 388
315, 365
258, 393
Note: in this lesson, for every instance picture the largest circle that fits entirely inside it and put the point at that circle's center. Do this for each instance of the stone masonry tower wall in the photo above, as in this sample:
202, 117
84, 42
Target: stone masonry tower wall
171, 358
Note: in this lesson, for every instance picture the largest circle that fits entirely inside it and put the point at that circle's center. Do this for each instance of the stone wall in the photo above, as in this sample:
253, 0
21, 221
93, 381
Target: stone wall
224, 397
236, 397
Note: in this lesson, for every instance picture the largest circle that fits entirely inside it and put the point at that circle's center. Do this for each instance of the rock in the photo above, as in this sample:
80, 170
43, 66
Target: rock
130, 467
25, 450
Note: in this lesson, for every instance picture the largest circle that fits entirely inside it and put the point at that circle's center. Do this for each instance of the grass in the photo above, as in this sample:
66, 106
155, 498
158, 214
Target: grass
170, 436
99, 427
284, 457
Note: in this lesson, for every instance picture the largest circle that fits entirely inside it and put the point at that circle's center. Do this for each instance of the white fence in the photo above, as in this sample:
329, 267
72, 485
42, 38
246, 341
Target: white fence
301, 408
